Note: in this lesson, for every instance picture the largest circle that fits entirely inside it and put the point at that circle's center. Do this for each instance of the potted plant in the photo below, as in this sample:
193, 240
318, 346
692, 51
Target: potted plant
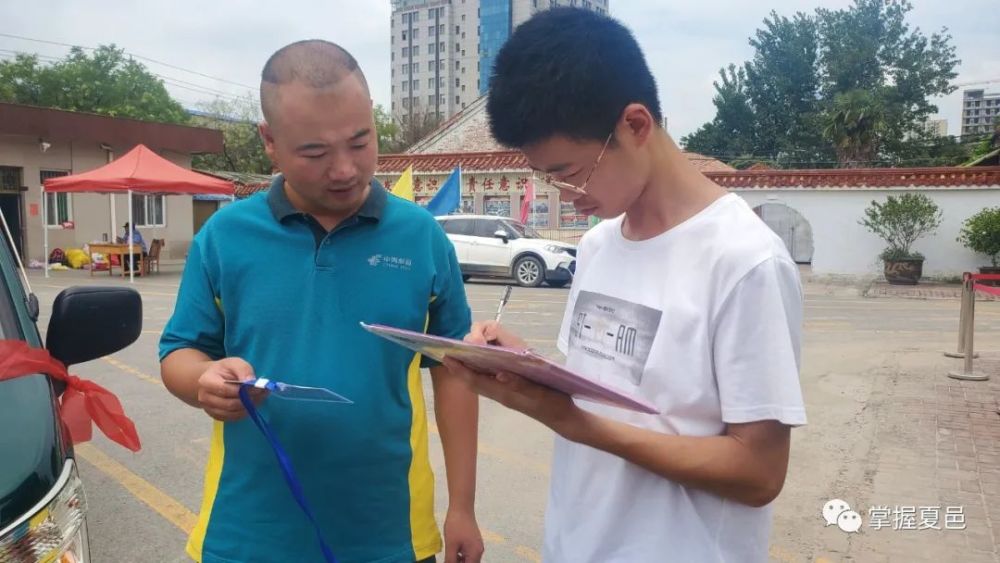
900, 221
981, 234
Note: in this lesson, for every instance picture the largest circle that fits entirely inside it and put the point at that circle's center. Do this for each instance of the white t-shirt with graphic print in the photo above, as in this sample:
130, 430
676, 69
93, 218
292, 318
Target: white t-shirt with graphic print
704, 321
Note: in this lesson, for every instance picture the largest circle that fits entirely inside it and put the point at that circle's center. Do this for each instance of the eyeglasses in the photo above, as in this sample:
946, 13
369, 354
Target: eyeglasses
582, 190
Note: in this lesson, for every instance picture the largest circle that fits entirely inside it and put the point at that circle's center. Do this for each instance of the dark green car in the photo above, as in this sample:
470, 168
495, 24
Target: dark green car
42, 504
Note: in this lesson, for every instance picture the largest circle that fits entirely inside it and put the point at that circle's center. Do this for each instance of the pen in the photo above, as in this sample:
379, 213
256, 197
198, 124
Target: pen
503, 302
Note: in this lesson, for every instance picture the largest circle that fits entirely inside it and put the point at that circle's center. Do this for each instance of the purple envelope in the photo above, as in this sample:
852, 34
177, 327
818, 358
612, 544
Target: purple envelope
525, 363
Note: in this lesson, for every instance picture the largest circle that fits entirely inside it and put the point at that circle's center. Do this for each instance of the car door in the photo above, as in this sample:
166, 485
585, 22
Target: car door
459, 232
489, 251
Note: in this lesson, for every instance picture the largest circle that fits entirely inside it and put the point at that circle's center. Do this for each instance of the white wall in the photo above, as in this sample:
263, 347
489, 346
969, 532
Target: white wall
842, 246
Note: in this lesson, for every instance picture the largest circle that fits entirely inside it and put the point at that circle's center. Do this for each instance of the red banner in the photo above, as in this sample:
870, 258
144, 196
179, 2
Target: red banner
82, 402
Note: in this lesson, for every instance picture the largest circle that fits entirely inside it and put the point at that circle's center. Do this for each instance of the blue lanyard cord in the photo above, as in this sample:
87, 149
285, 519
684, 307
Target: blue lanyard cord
286, 469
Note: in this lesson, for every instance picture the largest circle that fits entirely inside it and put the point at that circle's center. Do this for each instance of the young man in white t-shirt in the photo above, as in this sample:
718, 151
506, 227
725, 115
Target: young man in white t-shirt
682, 296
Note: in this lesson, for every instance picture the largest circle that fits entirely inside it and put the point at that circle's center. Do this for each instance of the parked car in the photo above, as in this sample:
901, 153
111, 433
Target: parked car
43, 508
489, 246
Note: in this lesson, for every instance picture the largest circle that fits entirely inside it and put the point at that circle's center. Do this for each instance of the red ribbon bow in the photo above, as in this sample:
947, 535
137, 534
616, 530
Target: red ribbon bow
82, 402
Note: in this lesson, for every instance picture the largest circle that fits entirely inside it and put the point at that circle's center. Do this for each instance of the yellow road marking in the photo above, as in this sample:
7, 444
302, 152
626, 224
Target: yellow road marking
164, 505
528, 553
133, 371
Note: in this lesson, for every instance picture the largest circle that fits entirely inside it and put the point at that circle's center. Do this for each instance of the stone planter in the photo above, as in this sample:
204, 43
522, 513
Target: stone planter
904, 272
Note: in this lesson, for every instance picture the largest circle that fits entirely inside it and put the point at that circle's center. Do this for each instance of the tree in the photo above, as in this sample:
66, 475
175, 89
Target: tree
105, 82
396, 135
981, 233
900, 221
783, 86
732, 132
854, 125
243, 149
808, 75
870, 47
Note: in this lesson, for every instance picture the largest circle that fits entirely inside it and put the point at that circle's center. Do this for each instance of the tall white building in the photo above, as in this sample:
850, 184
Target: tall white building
980, 111
443, 50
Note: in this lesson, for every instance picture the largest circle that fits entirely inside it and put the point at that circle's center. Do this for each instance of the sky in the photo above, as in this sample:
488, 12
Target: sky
217, 47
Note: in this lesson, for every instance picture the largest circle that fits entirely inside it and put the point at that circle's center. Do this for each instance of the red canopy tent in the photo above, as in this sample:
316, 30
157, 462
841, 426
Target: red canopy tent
139, 170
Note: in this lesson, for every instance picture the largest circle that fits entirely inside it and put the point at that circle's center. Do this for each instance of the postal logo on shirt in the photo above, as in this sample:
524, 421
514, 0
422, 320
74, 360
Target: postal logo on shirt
390, 262
615, 333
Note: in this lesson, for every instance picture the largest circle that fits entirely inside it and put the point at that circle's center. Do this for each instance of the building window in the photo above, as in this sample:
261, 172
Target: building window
457, 30
406, 86
463, 17
441, 29
416, 85
406, 52
457, 64
406, 102
430, 31
458, 83
58, 206
416, 34
457, 47
569, 218
497, 205
430, 99
416, 50
430, 48
538, 213
430, 83
442, 48
148, 210
404, 36
457, 100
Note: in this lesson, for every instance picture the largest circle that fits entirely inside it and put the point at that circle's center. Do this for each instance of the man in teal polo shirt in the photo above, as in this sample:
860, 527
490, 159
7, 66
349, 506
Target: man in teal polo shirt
275, 286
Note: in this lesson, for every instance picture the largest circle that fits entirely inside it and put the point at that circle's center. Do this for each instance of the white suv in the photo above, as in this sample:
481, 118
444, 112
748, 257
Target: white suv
489, 246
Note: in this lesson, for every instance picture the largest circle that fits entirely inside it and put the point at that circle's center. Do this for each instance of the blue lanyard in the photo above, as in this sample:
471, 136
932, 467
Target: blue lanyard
286, 468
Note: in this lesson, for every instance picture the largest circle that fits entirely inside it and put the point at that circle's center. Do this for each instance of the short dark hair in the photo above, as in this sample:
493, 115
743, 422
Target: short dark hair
315, 62
567, 71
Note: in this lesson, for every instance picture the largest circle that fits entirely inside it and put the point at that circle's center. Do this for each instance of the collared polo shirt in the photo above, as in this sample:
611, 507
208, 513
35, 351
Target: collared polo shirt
266, 283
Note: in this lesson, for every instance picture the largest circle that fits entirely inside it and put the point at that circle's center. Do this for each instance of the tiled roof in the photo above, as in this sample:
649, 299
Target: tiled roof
493, 162
446, 162
246, 184
860, 178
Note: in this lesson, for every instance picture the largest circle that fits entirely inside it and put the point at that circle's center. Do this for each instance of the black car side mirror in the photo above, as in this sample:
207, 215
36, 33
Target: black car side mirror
91, 322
